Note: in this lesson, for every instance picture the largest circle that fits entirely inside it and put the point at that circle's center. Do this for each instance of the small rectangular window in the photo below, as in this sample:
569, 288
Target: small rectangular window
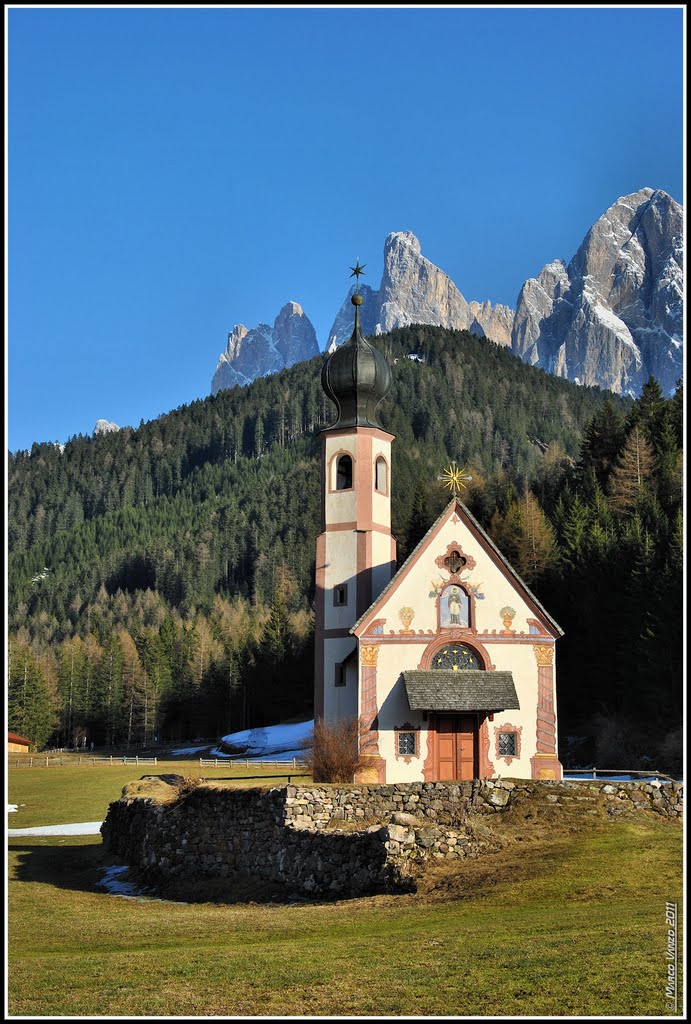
340, 675
340, 596
406, 743
507, 744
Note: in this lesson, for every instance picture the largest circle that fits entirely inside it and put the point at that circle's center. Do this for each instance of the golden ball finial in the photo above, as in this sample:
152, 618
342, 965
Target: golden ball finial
356, 299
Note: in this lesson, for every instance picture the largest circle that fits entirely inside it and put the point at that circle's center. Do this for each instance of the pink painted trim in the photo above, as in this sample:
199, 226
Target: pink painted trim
382, 435
333, 472
364, 488
407, 727
507, 727
385, 492
354, 525
319, 633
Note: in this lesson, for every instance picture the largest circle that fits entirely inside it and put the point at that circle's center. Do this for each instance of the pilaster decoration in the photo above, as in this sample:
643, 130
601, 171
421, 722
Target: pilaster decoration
368, 655
545, 764
415, 730
507, 727
455, 561
485, 766
544, 655
369, 735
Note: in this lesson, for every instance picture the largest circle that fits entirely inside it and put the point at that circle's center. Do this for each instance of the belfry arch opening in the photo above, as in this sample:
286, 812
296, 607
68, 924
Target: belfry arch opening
381, 483
344, 473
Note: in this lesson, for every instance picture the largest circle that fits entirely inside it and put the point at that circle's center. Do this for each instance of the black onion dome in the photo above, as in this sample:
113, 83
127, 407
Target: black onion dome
356, 377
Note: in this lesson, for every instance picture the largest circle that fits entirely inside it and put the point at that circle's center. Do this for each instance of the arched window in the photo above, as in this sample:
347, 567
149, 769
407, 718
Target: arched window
344, 473
456, 657
380, 468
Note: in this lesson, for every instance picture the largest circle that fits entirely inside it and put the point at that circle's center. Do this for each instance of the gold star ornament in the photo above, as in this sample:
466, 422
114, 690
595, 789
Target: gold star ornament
454, 478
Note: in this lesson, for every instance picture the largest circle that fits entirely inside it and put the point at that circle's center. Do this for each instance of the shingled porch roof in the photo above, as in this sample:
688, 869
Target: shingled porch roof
464, 690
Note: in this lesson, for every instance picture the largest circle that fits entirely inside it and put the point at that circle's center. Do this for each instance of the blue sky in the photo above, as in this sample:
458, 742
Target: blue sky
175, 171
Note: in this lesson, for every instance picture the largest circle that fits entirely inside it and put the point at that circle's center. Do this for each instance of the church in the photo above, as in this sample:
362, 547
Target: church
448, 663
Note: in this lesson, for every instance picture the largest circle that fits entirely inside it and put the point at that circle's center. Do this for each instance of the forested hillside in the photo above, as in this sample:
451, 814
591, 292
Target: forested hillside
161, 579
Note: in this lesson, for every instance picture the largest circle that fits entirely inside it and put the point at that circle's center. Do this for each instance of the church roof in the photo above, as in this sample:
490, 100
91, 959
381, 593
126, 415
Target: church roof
465, 690
356, 377
489, 545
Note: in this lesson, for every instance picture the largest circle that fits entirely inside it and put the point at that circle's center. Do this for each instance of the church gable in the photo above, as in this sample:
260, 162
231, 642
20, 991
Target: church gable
456, 578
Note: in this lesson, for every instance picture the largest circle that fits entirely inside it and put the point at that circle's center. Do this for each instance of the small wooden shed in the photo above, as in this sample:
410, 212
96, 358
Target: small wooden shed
17, 744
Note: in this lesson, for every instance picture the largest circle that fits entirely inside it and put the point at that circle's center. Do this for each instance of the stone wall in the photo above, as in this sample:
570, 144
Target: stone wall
300, 836
451, 802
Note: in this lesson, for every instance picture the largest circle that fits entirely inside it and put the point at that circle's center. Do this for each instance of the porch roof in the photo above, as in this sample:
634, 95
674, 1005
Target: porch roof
464, 690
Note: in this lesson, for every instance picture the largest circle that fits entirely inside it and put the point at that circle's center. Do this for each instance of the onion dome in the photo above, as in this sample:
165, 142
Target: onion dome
356, 377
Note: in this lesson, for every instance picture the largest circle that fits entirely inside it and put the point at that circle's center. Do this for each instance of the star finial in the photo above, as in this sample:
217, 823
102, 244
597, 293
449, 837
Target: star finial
357, 270
454, 478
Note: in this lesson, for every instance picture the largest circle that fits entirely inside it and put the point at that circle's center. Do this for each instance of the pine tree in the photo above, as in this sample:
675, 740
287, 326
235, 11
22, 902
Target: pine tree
30, 709
631, 473
536, 549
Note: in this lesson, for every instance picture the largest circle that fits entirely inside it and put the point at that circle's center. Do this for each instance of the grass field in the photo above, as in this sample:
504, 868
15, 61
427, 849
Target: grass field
558, 923
57, 795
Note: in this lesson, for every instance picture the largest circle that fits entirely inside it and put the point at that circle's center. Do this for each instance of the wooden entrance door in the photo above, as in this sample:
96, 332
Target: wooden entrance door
455, 747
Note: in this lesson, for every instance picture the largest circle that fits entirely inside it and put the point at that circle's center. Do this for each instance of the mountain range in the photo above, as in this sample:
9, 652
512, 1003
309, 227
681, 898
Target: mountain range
611, 317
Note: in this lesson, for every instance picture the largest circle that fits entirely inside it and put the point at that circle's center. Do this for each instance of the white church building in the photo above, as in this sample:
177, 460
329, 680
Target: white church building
447, 663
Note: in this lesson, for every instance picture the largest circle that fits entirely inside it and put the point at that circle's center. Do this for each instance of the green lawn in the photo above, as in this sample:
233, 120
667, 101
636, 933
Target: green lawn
66, 793
574, 925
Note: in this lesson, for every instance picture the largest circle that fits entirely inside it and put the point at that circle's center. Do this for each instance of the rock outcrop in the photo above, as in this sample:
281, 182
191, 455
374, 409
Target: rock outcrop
415, 291
611, 318
614, 316
264, 349
103, 427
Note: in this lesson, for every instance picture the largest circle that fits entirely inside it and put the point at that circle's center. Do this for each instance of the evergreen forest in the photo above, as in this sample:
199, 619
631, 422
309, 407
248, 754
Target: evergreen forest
161, 579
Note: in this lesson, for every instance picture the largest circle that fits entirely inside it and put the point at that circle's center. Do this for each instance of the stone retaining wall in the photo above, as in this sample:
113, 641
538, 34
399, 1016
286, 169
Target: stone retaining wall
298, 835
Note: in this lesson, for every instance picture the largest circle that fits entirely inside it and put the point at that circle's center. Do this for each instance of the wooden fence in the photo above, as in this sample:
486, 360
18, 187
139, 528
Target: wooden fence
41, 761
226, 762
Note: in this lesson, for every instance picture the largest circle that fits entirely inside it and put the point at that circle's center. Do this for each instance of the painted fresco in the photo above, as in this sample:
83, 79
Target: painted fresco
454, 607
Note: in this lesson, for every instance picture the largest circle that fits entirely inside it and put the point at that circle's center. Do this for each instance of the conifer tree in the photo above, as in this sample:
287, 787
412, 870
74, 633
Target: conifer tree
631, 474
30, 709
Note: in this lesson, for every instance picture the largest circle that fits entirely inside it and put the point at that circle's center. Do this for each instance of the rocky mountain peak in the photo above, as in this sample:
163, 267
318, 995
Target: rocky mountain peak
614, 316
104, 427
397, 239
415, 291
611, 317
265, 349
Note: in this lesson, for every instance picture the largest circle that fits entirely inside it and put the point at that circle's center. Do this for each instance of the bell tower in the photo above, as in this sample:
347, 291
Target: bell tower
356, 552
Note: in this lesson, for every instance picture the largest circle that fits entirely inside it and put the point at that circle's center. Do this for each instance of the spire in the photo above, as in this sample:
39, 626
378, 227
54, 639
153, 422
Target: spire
356, 377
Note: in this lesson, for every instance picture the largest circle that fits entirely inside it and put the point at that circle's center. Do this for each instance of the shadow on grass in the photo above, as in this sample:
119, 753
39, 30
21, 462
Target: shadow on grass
80, 866
67, 865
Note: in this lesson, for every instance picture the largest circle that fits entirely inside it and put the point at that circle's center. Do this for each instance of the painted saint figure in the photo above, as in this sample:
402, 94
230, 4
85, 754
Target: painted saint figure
454, 608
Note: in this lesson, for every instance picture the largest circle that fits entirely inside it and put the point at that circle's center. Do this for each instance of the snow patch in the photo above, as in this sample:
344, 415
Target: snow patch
12, 807
115, 885
285, 740
83, 828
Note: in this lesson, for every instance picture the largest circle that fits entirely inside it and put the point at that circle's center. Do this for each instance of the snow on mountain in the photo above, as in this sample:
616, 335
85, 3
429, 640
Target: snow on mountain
614, 316
265, 349
104, 427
